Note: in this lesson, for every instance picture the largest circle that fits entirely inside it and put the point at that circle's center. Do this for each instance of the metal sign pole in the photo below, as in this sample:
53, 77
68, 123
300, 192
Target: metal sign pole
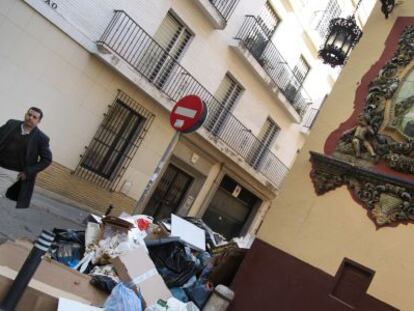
187, 116
143, 200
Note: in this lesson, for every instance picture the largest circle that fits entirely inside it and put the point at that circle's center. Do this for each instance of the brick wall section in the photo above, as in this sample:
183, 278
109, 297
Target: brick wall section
58, 179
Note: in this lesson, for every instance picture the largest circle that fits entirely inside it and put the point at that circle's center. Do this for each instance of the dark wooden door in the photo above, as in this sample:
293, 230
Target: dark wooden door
169, 193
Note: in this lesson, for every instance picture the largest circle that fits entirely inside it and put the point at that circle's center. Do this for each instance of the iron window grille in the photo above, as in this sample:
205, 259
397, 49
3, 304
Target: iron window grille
228, 93
268, 20
310, 118
267, 137
174, 37
224, 7
300, 71
115, 143
332, 10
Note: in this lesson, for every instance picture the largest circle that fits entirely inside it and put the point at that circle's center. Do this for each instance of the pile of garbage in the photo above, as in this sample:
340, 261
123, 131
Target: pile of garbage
143, 264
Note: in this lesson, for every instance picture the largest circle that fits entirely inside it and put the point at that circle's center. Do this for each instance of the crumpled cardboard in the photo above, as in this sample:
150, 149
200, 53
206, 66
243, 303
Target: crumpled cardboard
138, 272
51, 281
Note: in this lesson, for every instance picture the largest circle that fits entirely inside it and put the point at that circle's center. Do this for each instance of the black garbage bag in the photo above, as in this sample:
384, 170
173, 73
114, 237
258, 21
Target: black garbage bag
103, 282
68, 247
173, 263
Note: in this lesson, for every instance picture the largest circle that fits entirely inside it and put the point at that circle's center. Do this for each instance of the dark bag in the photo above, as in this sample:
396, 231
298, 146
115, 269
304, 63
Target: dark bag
173, 263
14, 190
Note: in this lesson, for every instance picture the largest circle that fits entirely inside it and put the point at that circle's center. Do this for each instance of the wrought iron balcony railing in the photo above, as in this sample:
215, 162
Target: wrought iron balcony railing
129, 41
254, 38
310, 117
224, 7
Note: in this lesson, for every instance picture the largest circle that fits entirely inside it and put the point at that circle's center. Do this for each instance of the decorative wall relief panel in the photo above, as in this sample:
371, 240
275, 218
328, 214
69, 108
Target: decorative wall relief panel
373, 153
388, 199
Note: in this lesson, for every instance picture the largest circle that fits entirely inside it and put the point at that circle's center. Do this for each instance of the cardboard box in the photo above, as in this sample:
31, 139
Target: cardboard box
51, 281
137, 270
32, 299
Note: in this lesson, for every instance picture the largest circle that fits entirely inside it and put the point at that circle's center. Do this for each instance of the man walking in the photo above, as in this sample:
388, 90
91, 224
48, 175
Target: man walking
24, 152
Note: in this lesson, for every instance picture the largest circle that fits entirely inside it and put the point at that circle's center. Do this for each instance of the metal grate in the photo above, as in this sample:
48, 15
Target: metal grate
255, 40
301, 70
332, 10
310, 118
130, 42
267, 136
228, 93
173, 37
115, 143
268, 20
224, 7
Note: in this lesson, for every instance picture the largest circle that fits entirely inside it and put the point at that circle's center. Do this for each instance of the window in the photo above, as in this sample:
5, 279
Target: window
115, 142
173, 36
351, 282
269, 132
225, 7
227, 94
266, 138
332, 10
300, 72
268, 20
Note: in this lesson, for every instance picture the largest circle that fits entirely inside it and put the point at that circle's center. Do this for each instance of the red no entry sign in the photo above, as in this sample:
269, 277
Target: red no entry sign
188, 114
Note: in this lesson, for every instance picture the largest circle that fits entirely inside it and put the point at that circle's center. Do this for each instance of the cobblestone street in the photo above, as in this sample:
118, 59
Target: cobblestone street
45, 213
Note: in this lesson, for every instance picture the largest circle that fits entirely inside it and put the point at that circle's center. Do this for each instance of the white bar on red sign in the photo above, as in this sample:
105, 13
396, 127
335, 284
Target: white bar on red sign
190, 113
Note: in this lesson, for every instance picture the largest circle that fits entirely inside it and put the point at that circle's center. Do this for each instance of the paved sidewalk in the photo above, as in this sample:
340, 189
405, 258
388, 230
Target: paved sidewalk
47, 211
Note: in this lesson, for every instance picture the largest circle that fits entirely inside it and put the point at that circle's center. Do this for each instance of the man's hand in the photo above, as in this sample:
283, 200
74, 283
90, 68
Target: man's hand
22, 176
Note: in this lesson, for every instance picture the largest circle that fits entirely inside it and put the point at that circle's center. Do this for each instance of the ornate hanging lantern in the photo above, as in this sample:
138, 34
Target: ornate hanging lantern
343, 35
387, 7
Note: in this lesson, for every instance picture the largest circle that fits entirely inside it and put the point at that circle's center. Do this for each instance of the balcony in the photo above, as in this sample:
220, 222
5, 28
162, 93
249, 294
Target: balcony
310, 118
217, 11
126, 39
253, 37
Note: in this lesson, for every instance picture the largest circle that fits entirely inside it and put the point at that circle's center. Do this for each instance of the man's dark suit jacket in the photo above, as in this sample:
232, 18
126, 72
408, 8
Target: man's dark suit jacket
38, 157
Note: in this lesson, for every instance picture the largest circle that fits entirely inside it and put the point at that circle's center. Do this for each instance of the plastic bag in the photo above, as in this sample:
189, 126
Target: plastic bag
199, 292
68, 247
123, 299
176, 305
174, 264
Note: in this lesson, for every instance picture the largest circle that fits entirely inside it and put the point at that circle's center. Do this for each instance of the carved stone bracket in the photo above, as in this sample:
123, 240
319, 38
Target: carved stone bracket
389, 200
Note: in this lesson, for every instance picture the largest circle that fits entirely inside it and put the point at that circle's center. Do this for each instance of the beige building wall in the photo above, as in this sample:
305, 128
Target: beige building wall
322, 230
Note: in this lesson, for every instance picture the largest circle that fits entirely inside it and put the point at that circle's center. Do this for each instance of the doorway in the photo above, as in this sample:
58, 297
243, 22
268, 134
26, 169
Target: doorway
230, 209
169, 193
